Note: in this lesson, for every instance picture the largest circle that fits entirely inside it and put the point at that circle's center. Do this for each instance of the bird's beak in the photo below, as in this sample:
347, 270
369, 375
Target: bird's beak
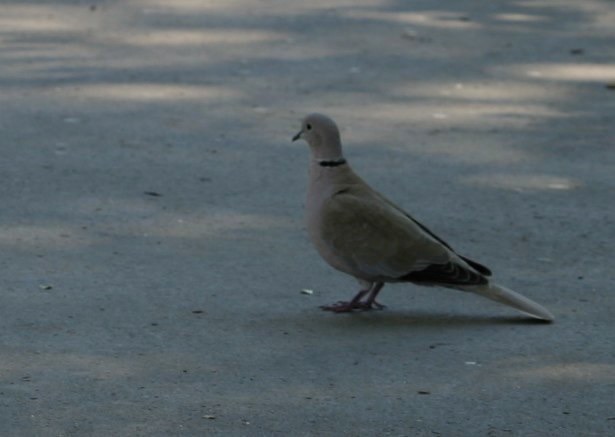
296, 137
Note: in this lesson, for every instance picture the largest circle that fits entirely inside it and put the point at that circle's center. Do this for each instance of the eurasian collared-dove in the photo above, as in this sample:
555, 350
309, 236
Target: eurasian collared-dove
360, 232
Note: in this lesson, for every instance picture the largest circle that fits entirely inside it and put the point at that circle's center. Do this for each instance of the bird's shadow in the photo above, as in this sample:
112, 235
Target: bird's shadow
387, 319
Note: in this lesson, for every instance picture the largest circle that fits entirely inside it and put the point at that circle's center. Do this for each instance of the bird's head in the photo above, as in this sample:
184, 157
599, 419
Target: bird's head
322, 135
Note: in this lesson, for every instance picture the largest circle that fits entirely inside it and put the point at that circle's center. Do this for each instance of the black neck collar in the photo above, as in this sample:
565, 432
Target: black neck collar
333, 163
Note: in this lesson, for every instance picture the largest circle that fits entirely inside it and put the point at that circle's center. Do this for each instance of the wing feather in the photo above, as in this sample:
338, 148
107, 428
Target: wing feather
376, 240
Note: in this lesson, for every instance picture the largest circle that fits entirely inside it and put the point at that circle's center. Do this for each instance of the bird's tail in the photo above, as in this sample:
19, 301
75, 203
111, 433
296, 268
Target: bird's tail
512, 298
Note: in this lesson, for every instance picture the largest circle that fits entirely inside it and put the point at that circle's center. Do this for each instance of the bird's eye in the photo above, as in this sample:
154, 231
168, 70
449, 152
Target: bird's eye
308, 126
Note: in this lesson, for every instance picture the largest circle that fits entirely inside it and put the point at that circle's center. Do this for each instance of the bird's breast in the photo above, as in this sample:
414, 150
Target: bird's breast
315, 218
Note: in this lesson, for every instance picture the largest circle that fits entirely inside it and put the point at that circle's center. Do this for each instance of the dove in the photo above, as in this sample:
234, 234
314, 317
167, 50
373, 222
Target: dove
360, 232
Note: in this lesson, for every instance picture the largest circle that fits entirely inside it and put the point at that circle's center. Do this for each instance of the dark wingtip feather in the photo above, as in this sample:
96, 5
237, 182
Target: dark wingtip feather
477, 266
445, 275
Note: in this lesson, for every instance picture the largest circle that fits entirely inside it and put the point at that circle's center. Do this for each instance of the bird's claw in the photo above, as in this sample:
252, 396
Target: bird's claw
346, 307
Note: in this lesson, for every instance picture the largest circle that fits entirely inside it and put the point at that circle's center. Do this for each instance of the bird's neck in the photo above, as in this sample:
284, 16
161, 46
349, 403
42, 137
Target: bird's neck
326, 152
320, 165
328, 171
331, 162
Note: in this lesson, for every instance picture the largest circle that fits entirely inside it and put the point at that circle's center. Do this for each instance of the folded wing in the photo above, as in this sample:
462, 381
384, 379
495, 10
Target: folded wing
381, 242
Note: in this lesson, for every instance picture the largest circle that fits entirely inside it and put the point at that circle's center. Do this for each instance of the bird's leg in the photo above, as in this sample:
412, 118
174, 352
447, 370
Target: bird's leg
373, 288
371, 298
344, 306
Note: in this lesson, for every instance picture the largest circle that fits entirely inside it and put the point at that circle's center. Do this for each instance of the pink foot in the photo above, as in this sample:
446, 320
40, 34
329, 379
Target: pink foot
346, 307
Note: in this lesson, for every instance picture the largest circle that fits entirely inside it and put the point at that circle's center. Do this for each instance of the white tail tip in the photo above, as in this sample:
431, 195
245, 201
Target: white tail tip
513, 299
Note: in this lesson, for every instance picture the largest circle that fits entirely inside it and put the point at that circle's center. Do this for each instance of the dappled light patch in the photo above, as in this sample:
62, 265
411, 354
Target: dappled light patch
570, 372
36, 19
44, 236
493, 91
520, 18
430, 19
523, 182
568, 72
456, 113
156, 92
218, 224
189, 38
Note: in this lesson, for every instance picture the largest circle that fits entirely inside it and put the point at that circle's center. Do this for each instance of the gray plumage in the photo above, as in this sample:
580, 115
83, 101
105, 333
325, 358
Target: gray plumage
360, 232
